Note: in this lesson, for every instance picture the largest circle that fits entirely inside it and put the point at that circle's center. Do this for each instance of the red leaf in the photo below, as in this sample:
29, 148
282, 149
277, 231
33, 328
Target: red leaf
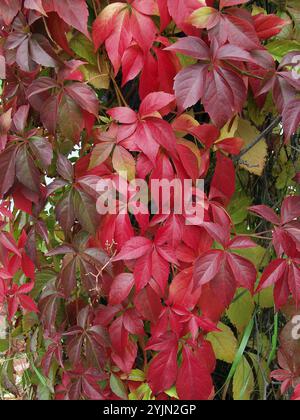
241, 242
199, 385
120, 288
133, 323
9, 243
134, 248
84, 96
143, 271
266, 213
272, 274
180, 10
126, 360
123, 115
155, 102
35, 5
28, 304
189, 85
20, 118
58, 29
9, 9
27, 266
105, 22
181, 290
165, 18
223, 183
290, 209
74, 12
143, 29
243, 270
268, 26
118, 335
132, 63
207, 266
291, 117
148, 304
294, 282
7, 169
296, 395
191, 46
162, 372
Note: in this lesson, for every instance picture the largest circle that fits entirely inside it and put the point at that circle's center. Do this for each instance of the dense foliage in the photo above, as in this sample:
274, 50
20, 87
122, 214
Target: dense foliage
137, 305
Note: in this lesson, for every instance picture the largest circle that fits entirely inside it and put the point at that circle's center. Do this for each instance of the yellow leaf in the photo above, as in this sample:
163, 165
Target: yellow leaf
172, 392
123, 161
93, 77
229, 130
200, 17
136, 375
254, 160
256, 10
240, 311
224, 343
243, 381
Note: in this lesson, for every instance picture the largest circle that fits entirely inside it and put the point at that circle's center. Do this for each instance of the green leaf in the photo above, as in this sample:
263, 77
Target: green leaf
241, 350
70, 119
262, 373
64, 211
4, 345
172, 393
42, 278
143, 392
84, 48
243, 381
238, 208
265, 298
136, 375
123, 161
224, 343
241, 310
279, 48
118, 387
26, 171
85, 211
257, 255
28, 321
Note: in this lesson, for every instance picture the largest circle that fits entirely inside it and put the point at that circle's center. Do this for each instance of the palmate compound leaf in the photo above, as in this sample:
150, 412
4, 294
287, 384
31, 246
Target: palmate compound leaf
212, 80
66, 104
117, 26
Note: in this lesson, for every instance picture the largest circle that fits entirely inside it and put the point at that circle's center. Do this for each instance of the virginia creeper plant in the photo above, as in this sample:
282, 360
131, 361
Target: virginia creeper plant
146, 305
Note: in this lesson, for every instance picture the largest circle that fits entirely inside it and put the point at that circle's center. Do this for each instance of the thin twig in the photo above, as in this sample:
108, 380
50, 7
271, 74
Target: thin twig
273, 124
